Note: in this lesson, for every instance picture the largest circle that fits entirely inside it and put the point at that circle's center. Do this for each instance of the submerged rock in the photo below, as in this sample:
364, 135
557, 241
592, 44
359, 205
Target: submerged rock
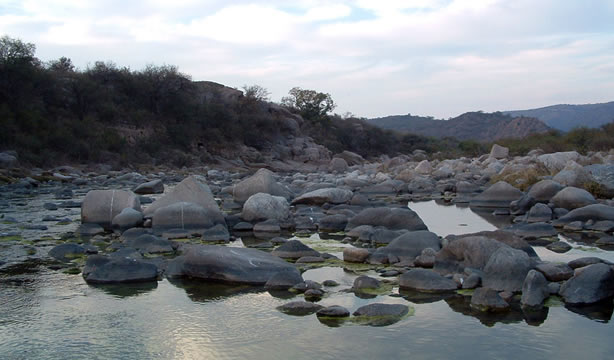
380, 314
300, 308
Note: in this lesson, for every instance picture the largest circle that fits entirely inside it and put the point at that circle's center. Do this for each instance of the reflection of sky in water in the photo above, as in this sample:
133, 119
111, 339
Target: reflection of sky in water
446, 220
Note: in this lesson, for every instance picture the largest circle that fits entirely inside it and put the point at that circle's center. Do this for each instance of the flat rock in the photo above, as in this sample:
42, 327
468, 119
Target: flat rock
120, 270
333, 311
294, 249
300, 308
426, 280
390, 218
326, 195
150, 187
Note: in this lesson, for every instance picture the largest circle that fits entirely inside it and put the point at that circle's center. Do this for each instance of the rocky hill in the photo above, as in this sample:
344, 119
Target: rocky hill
469, 126
566, 117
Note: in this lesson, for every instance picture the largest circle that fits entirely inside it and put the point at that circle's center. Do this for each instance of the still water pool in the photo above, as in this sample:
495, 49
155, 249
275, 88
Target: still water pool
46, 314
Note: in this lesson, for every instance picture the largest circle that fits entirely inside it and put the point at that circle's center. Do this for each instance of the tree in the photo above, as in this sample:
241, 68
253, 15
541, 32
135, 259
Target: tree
15, 52
256, 93
61, 65
310, 104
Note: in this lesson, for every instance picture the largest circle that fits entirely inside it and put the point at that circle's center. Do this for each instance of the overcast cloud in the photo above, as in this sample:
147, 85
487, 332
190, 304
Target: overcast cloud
375, 57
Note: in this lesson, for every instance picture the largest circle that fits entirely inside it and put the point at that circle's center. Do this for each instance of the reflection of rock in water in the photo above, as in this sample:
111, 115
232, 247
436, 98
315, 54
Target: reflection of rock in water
126, 290
204, 291
461, 304
418, 297
535, 316
500, 221
601, 311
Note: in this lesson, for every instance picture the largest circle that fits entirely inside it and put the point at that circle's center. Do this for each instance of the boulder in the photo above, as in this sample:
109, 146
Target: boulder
294, 249
426, 281
506, 269
101, 206
423, 168
151, 187
66, 252
573, 174
380, 314
226, 264
539, 213
261, 182
589, 284
499, 152
127, 218
338, 165
350, 158
534, 289
326, 195
559, 247
333, 311
499, 195
532, 230
603, 174
186, 216
555, 272
544, 190
119, 270
522, 205
332, 223
151, 244
391, 218
584, 261
488, 300
595, 212
192, 189
300, 308
572, 198
218, 233
364, 282
410, 245
556, 161
263, 206
283, 281
355, 255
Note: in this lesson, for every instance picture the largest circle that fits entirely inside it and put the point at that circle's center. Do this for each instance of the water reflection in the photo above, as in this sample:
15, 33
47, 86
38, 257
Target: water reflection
126, 290
206, 291
601, 312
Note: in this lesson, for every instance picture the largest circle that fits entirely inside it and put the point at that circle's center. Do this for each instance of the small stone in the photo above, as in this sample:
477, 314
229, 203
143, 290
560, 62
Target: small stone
333, 311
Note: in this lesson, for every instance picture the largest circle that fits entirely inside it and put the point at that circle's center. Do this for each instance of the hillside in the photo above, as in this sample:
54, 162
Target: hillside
566, 117
469, 126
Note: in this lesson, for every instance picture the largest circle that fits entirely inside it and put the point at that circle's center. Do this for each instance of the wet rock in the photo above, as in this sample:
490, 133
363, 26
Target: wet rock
326, 195
185, 216
539, 213
544, 190
499, 195
232, 265
364, 282
151, 244
574, 226
572, 198
313, 294
426, 280
261, 182
217, 233
333, 311
101, 206
532, 230
306, 285
119, 271
559, 247
589, 285
380, 314
522, 205
411, 244
472, 281
355, 255
426, 259
330, 283
506, 269
263, 206
151, 187
604, 226
309, 259
390, 218
605, 241
534, 289
332, 223
488, 300
284, 281
192, 189
267, 229
300, 308
127, 218
595, 212
294, 249
66, 252
555, 272
584, 261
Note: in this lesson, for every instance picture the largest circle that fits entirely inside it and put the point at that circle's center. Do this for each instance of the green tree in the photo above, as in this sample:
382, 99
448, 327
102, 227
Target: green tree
310, 104
256, 93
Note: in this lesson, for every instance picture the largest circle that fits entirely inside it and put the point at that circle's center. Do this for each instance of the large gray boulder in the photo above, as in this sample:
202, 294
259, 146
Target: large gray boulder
499, 195
573, 175
186, 216
294, 249
119, 270
540, 212
557, 161
390, 218
595, 212
326, 195
410, 245
499, 152
101, 206
151, 244
192, 189
263, 206
351, 158
261, 182
338, 165
544, 190
227, 264
603, 174
534, 289
590, 284
555, 272
426, 280
506, 269
127, 219
572, 198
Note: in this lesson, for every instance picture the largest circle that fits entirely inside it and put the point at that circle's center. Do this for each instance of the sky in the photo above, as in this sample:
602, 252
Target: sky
436, 58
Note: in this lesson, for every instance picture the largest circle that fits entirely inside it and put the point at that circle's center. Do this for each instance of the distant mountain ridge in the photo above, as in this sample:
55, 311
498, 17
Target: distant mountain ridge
477, 126
566, 117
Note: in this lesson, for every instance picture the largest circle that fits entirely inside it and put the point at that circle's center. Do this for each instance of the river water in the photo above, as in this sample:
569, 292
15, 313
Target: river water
46, 314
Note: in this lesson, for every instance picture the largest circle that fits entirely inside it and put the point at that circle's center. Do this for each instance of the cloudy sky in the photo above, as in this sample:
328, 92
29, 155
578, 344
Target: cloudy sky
375, 57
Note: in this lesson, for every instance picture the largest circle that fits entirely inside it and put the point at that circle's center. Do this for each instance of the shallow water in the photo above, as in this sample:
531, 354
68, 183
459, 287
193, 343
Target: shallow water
52, 315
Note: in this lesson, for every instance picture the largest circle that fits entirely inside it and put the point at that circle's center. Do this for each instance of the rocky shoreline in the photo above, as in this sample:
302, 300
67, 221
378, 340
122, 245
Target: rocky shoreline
235, 226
